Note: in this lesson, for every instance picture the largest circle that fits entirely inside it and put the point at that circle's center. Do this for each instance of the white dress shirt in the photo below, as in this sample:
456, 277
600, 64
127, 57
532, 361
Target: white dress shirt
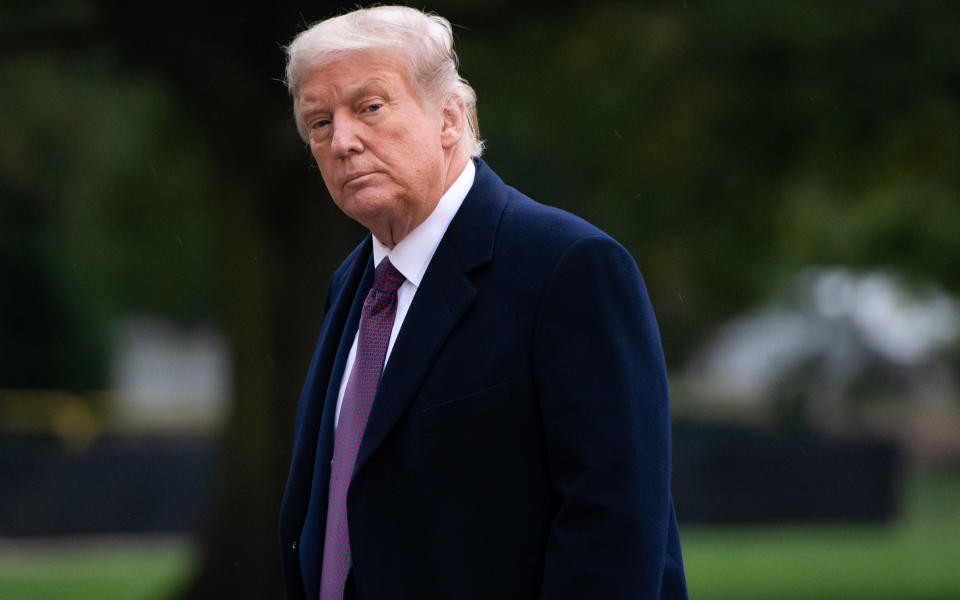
411, 256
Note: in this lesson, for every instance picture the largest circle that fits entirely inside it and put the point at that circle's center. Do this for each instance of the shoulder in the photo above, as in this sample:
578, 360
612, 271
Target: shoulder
529, 219
523, 222
555, 236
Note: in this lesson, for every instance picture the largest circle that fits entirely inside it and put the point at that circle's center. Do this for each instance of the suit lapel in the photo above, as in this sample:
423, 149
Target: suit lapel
354, 298
445, 293
309, 473
311, 404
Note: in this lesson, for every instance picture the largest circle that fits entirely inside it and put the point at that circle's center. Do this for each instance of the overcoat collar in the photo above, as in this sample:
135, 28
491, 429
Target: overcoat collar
441, 300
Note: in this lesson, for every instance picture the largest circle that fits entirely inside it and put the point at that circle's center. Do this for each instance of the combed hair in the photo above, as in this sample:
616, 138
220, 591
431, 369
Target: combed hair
425, 41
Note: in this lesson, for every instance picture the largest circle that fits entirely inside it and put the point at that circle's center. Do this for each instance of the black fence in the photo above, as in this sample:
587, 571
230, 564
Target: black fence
736, 474
117, 483
163, 483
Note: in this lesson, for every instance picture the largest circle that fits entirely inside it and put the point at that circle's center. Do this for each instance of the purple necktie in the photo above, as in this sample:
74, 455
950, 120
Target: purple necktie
376, 324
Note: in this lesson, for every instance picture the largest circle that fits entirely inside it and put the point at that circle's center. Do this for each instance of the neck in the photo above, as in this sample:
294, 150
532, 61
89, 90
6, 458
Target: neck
390, 234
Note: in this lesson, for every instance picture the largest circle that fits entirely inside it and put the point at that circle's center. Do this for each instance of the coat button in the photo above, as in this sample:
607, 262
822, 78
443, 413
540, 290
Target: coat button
293, 546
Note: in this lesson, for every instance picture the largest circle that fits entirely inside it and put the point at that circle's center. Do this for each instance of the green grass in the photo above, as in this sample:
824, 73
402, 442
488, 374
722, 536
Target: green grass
108, 569
915, 557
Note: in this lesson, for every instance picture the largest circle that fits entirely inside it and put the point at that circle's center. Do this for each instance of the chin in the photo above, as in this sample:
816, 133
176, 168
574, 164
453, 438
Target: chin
367, 209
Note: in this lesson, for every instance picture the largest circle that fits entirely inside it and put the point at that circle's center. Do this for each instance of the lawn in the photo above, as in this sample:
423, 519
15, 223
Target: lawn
915, 557
98, 569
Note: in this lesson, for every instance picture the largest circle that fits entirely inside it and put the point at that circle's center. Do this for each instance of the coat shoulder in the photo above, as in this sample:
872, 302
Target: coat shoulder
545, 230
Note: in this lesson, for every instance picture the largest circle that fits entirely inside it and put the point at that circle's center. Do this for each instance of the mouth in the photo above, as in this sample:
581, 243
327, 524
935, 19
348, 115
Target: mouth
355, 176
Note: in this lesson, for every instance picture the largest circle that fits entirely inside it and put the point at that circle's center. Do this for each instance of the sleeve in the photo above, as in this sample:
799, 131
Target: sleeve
601, 381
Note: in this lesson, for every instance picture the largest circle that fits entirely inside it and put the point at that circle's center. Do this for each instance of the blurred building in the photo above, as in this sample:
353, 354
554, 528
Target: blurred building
167, 376
854, 353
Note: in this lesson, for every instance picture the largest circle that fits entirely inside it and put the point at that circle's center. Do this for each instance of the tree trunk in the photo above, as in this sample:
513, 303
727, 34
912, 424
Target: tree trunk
279, 239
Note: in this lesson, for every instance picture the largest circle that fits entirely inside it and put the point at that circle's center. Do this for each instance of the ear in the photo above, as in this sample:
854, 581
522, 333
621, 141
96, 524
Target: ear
454, 120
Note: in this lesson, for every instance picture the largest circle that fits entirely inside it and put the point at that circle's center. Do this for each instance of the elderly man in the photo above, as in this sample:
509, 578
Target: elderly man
485, 415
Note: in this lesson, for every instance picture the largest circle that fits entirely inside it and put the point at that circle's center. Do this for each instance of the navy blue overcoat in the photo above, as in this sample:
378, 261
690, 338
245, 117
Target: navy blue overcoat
519, 443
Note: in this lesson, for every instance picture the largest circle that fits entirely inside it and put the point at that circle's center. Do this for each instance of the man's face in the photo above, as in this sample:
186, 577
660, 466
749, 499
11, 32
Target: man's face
378, 147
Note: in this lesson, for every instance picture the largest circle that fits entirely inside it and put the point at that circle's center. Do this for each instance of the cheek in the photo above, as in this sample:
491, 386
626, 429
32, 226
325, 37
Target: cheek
326, 171
317, 153
322, 160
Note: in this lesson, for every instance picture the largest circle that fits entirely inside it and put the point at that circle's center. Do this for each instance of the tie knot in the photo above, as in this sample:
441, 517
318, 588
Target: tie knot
387, 279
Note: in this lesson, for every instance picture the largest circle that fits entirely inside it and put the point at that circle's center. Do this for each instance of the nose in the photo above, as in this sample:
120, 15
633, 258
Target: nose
345, 139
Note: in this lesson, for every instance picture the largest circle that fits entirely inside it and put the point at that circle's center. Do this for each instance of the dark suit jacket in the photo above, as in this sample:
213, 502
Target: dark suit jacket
519, 443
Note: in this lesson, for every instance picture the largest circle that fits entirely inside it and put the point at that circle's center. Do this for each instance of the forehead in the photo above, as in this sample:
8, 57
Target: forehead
353, 73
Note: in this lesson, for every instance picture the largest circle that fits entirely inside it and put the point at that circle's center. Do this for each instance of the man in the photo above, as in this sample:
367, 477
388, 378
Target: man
485, 415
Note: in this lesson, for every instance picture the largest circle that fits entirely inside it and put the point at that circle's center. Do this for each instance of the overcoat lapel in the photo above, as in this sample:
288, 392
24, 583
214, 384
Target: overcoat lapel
310, 408
309, 471
329, 347
445, 293
354, 296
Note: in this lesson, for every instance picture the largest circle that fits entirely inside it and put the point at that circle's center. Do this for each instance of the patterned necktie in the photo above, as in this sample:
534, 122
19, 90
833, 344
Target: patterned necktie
376, 324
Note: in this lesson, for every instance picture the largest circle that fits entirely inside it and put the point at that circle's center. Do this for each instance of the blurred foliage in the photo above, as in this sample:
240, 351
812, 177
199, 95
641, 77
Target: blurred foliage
727, 144
104, 214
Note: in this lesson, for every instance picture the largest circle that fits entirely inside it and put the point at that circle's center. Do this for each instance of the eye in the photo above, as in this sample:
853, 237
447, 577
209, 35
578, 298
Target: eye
374, 107
319, 123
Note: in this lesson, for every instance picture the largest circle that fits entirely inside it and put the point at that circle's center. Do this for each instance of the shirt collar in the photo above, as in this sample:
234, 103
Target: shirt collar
412, 254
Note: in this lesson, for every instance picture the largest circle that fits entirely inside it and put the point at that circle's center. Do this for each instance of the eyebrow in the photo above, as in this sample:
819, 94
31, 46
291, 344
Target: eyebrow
370, 87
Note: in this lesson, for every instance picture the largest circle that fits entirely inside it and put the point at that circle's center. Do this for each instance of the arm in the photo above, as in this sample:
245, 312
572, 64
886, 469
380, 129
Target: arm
603, 395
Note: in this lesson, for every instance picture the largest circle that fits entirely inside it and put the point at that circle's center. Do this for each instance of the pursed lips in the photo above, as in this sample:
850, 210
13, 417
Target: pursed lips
354, 176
